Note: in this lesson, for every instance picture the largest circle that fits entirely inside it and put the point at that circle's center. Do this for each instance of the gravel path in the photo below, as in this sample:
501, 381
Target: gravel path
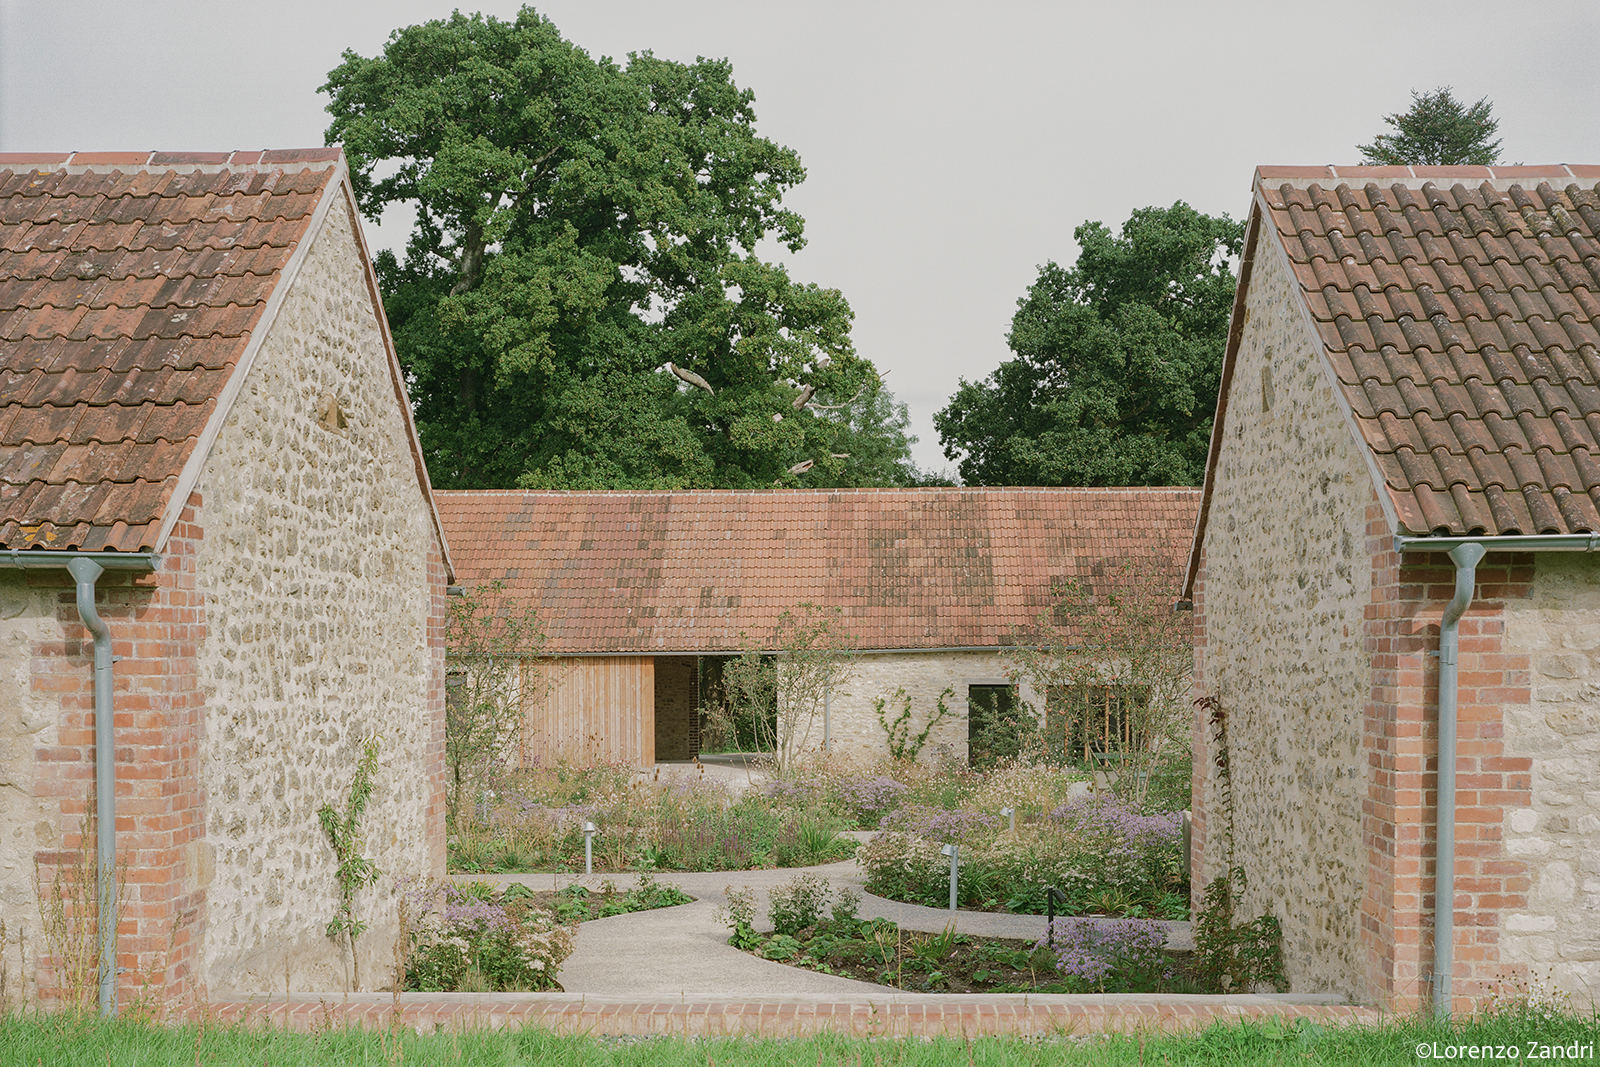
684, 951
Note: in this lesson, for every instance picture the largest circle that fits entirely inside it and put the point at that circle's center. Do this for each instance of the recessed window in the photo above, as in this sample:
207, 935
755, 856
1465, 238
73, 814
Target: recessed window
1094, 723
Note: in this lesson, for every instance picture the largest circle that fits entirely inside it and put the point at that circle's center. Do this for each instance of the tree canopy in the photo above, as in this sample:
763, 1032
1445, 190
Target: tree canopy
1438, 131
1118, 362
580, 304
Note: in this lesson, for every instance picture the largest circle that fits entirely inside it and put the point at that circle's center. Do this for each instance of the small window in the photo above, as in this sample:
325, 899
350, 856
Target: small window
993, 730
1094, 723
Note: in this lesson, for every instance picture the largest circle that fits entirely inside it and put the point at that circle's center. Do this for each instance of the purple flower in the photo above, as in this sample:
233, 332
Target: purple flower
1089, 951
938, 824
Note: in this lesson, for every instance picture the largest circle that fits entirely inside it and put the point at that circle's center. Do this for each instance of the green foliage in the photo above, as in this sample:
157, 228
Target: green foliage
576, 904
1438, 131
739, 913
1115, 636
472, 939
1236, 957
489, 637
354, 870
580, 305
798, 903
903, 745
1118, 362
93, 1042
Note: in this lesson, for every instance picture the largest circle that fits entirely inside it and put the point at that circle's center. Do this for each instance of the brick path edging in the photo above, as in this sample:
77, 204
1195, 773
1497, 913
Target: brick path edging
946, 1016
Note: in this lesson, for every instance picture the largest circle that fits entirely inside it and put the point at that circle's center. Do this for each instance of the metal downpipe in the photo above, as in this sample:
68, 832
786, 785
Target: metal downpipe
86, 572
1465, 557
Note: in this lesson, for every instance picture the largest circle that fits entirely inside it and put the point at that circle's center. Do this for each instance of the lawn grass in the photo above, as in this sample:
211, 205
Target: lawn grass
60, 1040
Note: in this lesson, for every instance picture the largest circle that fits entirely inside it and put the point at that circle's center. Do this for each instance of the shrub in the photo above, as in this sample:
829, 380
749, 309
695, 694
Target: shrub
739, 913
869, 799
798, 903
457, 936
1230, 957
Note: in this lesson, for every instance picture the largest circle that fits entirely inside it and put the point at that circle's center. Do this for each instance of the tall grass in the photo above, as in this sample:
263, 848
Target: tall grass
533, 820
73, 1040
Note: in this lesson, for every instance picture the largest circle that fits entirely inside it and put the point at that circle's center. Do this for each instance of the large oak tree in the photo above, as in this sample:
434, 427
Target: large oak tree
1119, 358
580, 304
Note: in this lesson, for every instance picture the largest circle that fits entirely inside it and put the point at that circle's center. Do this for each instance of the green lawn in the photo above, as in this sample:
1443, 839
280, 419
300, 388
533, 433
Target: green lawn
51, 1040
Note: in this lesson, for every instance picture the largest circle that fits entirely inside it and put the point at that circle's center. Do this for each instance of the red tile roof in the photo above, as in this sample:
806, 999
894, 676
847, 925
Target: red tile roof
911, 568
131, 285
1458, 307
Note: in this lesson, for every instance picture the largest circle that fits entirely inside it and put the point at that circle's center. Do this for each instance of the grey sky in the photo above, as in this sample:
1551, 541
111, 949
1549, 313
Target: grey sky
951, 148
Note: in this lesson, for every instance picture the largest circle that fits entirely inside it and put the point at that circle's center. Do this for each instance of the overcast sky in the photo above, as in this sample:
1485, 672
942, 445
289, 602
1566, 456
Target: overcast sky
951, 148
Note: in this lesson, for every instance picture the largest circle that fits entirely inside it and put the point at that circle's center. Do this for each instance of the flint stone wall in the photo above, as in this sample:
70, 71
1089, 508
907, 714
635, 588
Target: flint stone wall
1286, 583
1558, 627
315, 570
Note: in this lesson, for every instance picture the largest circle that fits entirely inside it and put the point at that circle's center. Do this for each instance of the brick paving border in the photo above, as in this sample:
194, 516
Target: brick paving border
946, 1016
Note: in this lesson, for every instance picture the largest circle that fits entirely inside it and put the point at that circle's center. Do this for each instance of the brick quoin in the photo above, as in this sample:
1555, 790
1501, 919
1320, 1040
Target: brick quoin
156, 623
1400, 745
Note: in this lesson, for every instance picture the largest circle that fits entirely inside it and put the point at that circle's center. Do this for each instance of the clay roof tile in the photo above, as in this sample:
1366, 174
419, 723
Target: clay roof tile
1460, 311
132, 283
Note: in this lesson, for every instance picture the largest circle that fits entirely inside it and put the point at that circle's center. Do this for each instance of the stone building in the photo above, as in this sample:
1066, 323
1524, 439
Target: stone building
220, 572
1413, 369
637, 591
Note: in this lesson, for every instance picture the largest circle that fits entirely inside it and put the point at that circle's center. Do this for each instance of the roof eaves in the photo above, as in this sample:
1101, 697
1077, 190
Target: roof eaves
201, 451
1229, 357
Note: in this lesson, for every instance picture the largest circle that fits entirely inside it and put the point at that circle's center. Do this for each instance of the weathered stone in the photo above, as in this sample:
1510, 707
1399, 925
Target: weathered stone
1284, 650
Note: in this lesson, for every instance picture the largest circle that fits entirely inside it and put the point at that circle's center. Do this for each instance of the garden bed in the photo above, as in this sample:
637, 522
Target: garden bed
534, 820
476, 937
816, 929
877, 951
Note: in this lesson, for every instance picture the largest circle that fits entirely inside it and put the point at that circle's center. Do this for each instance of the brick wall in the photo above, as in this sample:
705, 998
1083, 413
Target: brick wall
677, 708
1401, 747
155, 623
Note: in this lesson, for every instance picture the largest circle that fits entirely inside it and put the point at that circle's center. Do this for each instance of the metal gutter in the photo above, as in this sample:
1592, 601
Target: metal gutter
1465, 557
86, 569
1582, 542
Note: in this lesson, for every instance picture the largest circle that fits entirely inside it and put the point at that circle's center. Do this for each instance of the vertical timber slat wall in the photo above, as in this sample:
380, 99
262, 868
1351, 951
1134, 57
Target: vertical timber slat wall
592, 708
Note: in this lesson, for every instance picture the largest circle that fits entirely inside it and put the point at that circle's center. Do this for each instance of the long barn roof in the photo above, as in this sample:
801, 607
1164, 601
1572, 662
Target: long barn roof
711, 571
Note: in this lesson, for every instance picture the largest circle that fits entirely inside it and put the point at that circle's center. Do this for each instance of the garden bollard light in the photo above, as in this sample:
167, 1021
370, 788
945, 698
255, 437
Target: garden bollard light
588, 848
1051, 895
1011, 815
954, 852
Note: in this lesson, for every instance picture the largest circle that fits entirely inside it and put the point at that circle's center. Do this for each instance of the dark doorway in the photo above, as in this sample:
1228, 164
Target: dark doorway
677, 708
993, 730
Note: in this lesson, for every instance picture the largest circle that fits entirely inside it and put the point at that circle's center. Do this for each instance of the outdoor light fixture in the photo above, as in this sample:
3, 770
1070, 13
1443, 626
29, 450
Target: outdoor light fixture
954, 852
588, 847
1011, 815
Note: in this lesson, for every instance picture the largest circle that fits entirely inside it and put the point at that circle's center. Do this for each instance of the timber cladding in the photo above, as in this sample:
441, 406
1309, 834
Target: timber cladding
591, 708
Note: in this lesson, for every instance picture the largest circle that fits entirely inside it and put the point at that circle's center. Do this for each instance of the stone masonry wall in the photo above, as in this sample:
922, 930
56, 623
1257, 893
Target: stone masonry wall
30, 720
923, 675
320, 576
1279, 643
1556, 832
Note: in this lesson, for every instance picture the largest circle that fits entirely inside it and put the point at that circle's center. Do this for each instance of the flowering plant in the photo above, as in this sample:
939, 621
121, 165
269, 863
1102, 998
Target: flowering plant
461, 938
1121, 955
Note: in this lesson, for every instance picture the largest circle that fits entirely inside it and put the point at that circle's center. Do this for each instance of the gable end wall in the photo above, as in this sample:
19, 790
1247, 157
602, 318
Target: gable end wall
322, 582
1279, 602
